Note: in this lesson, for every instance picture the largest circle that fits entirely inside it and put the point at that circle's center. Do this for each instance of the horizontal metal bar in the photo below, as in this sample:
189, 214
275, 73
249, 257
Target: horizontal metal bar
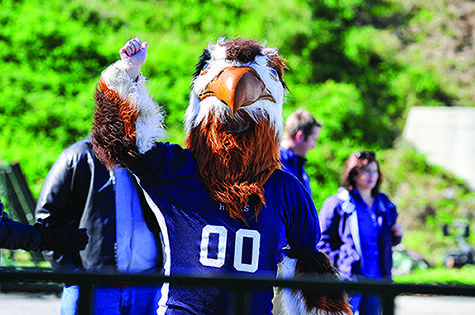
234, 282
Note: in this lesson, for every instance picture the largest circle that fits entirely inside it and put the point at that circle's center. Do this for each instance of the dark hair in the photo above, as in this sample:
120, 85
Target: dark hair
356, 163
301, 120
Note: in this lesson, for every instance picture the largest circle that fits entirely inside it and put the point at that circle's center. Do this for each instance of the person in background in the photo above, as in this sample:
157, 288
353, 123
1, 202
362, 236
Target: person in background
80, 191
359, 228
37, 237
300, 135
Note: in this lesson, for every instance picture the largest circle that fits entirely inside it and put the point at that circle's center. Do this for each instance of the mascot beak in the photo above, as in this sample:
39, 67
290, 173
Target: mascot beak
237, 87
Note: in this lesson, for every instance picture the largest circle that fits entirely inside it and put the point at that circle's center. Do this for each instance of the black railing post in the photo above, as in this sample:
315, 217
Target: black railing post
18, 198
86, 298
388, 303
240, 301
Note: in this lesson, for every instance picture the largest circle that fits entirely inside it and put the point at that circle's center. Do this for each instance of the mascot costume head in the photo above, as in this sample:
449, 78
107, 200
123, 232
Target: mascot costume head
234, 121
233, 125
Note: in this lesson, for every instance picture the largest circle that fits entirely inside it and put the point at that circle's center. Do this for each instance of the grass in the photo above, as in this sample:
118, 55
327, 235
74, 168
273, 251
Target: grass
440, 275
19, 258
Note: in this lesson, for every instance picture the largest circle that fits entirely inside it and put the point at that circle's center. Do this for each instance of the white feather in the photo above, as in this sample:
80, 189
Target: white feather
149, 125
197, 111
286, 301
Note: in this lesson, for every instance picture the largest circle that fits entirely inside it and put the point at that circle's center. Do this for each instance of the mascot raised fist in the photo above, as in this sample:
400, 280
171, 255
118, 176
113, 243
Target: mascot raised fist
222, 202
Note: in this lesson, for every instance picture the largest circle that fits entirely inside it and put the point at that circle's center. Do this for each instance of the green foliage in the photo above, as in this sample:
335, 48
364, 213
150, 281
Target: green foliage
427, 197
427, 193
357, 65
341, 56
465, 275
20, 258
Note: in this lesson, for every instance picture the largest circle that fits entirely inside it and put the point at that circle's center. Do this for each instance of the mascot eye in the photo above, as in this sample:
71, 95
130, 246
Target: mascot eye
205, 69
274, 73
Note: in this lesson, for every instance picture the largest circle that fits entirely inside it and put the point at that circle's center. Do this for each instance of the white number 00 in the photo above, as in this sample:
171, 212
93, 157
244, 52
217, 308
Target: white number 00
238, 250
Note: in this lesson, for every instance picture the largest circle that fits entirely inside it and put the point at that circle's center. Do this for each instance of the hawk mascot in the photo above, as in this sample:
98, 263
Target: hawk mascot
223, 204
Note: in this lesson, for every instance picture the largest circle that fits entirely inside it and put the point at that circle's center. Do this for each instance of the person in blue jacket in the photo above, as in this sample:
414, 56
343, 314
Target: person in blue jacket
359, 228
40, 236
300, 136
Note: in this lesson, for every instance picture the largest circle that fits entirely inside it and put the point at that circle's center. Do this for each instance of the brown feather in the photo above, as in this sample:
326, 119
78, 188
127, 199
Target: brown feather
113, 140
235, 166
335, 302
242, 50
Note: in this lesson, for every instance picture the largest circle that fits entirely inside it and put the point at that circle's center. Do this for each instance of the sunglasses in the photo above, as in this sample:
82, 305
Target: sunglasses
365, 155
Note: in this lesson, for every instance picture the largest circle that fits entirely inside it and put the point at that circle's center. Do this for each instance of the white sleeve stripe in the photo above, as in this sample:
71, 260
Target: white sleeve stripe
162, 305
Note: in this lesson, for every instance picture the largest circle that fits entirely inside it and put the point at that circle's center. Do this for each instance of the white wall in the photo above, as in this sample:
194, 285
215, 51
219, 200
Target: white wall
446, 135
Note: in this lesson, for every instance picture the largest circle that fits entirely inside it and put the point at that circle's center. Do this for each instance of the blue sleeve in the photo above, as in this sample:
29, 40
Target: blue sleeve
304, 228
15, 235
392, 214
392, 218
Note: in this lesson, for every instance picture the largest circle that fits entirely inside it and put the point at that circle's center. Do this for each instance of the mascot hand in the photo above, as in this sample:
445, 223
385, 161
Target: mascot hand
134, 53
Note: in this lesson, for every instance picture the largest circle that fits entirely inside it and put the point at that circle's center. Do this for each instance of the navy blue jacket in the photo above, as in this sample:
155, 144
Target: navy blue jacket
16, 235
340, 236
294, 163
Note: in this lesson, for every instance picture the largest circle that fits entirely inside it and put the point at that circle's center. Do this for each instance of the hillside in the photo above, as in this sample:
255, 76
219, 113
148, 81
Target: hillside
357, 65
440, 36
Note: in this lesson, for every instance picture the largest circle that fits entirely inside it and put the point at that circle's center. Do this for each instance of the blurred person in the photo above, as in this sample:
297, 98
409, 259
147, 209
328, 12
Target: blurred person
359, 228
300, 135
80, 191
40, 236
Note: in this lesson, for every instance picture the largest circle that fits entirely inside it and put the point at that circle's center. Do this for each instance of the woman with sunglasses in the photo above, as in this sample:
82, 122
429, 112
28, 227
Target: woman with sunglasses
359, 228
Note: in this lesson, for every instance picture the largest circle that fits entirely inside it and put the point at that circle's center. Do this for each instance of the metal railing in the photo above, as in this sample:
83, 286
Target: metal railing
239, 287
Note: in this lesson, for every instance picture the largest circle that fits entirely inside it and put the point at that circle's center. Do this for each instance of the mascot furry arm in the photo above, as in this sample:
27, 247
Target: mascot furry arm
233, 125
127, 121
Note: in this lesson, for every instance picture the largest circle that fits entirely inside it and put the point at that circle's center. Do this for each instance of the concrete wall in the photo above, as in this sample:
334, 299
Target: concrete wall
446, 135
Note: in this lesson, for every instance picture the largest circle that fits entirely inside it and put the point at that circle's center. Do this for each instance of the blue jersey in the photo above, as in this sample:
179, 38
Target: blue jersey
200, 238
